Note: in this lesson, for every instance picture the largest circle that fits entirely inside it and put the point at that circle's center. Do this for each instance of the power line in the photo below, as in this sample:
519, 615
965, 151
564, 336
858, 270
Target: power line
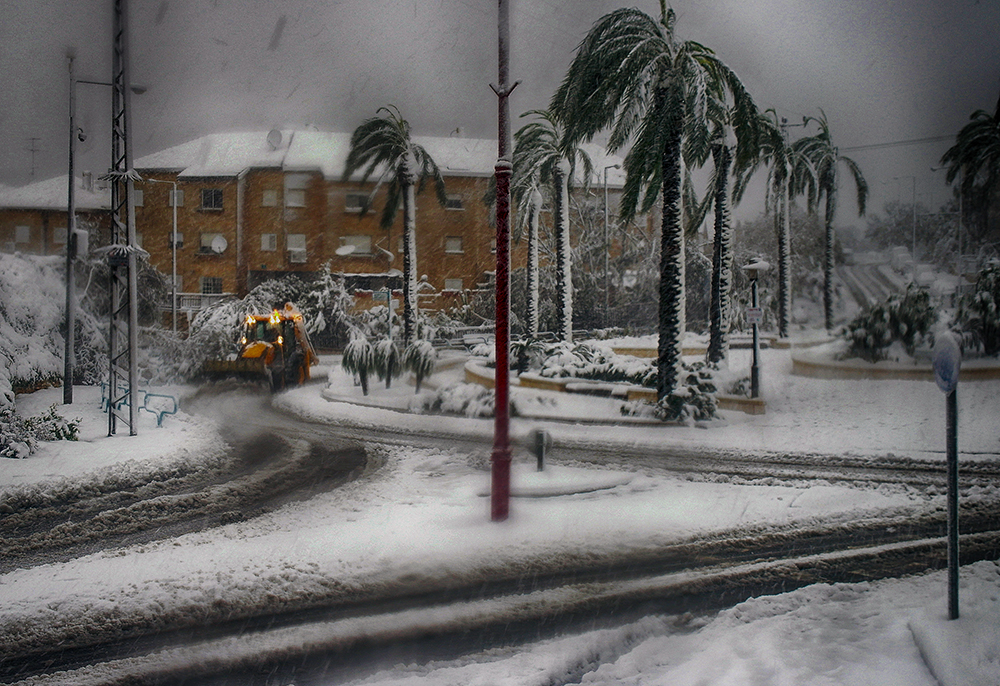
896, 144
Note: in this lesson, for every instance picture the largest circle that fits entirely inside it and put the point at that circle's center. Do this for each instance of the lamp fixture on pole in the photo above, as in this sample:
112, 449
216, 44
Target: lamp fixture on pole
607, 247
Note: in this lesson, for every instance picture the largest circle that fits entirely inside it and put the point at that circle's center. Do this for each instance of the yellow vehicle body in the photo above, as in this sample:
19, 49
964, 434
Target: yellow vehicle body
274, 348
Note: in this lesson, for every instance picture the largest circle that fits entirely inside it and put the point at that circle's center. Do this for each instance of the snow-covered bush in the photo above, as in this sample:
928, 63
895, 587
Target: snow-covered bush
359, 358
388, 361
584, 361
19, 436
694, 399
979, 311
905, 318
469, 399
527, 353
420, 358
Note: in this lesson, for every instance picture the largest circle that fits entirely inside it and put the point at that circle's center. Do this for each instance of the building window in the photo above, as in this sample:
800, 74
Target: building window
211, 198
269, 199
212, 243
180, 240
493, 246
452, 284
138, 240
295, 189
454, 202
59, 235
453, 245
175, 198
137, 198
211, 285
269, 242
178, 283
362, 244
22, 234
354, 202
296, 248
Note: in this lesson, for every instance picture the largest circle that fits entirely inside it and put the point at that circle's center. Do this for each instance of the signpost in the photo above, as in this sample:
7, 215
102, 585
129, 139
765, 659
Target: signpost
947, 364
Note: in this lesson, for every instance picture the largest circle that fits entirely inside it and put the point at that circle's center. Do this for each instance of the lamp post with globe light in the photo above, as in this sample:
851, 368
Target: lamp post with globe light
755, 316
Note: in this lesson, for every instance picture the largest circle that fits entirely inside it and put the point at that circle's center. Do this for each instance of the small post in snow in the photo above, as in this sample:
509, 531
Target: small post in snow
947, 364
541, 442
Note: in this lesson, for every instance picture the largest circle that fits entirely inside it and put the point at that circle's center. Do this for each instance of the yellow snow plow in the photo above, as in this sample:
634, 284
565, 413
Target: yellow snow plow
274, 349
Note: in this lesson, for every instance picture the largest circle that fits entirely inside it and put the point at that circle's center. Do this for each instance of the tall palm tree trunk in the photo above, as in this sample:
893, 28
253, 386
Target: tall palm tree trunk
784, 229
718, 344
563, 267
536, 208
831, 209
671, 306
409, 255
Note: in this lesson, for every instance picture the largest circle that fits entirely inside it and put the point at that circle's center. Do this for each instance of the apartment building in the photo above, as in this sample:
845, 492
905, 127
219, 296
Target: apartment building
250, 206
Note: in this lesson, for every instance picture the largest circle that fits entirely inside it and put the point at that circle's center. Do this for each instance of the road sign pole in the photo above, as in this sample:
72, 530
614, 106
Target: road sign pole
947, 367
952, 412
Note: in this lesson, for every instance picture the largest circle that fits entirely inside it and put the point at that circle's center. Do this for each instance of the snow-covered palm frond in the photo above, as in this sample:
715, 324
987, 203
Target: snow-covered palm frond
974, 160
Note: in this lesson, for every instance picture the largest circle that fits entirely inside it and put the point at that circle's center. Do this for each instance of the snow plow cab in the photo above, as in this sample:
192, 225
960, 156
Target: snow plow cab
274, 349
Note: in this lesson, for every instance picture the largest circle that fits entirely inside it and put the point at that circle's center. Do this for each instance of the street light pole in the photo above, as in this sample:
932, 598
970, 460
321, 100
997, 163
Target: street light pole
69, 356
500, 458
607, 247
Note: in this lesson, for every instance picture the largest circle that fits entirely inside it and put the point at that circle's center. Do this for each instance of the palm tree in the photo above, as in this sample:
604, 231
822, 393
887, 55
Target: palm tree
631, 73
382, 145
976, 157
724, 161
542, 156
788, 169
824, 159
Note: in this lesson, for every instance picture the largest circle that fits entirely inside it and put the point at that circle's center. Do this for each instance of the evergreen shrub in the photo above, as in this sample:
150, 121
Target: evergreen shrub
905, 318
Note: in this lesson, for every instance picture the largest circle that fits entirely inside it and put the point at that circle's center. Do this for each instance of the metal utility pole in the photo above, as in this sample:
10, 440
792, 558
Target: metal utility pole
69, 355
123, 337
500, 488
607, 247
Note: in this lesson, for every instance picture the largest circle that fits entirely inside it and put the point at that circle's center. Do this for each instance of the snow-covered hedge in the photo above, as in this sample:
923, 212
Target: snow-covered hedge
469, 399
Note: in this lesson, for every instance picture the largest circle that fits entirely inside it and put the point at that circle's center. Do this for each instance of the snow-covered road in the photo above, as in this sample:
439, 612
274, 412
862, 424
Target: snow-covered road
420, 523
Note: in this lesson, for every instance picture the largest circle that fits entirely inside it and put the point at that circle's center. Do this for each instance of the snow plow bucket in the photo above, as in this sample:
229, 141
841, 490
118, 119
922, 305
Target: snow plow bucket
241, 369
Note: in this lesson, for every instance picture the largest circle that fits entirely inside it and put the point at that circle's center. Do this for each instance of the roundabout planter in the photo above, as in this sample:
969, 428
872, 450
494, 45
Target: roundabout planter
482, 375
819, 366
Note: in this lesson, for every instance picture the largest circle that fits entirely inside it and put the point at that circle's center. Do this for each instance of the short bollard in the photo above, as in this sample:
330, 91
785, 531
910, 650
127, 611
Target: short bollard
542, 441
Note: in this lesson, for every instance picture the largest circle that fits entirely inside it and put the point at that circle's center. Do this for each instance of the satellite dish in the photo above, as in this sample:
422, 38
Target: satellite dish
345, 250
274, 138
219, 245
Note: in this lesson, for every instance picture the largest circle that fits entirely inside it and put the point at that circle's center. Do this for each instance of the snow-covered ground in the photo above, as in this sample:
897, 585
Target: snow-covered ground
423, 517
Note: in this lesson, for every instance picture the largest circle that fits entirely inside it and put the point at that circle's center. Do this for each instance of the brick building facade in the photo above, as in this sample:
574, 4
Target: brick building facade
253, 206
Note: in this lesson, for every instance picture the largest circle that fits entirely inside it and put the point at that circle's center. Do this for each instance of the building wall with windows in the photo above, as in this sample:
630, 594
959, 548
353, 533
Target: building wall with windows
252, 206
33, 218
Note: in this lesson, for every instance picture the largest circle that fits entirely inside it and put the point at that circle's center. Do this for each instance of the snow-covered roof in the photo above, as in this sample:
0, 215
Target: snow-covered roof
230, 154
52, 194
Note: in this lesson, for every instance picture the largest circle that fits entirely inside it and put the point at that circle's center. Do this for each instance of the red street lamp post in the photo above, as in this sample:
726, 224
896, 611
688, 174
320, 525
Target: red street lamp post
500, 488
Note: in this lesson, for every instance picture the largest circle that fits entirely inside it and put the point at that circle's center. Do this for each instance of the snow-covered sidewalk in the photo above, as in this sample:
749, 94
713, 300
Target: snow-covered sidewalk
422, 518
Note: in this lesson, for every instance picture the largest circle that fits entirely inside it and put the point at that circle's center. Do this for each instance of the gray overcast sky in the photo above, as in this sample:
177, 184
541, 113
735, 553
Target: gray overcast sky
882, 70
